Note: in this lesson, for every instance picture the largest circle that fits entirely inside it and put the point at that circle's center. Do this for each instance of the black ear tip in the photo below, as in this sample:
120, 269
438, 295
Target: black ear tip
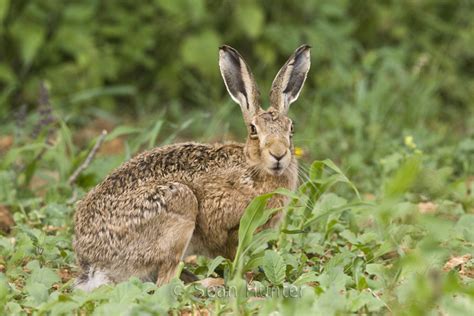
304, 47
230, 52
302, 50
227, 48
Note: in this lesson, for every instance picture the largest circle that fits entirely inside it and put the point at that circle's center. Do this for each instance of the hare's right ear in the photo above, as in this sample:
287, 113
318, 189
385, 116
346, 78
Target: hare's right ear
289, 81
239, 81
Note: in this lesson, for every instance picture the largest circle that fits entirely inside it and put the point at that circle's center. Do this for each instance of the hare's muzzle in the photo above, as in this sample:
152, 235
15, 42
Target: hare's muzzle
276, 156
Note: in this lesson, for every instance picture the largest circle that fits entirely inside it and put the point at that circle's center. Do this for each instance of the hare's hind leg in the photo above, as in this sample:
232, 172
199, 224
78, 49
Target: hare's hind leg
144, 236
173, 230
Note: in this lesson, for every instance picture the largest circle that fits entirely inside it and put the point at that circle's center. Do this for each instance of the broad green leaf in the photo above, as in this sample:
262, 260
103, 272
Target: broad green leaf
366, 299
37, 293
254, 216
254, 262
12, 308
39, 275
113, 309
305, 278
349, 236
464, 228
274, 267
376, 269
214, 264
125, 293
64, 308
334, 278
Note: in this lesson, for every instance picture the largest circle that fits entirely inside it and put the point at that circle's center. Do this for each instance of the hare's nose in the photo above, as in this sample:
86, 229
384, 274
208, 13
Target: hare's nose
278, 157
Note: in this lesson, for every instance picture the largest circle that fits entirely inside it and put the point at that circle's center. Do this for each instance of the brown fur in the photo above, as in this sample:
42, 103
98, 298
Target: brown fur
185, 198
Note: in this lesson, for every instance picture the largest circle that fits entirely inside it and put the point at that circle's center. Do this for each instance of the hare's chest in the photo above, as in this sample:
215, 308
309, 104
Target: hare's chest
221, 205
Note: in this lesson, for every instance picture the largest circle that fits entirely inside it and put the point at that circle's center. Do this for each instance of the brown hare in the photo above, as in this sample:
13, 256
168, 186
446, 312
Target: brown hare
188, 198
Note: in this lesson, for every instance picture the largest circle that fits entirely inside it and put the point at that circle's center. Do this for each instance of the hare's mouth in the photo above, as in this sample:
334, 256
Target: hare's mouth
276, 169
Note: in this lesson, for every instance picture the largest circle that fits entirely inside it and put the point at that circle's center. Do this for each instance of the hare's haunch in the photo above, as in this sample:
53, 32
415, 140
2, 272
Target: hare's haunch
188, 198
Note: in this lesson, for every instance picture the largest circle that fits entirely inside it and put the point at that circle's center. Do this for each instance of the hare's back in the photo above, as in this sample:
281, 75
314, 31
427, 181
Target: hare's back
178, 162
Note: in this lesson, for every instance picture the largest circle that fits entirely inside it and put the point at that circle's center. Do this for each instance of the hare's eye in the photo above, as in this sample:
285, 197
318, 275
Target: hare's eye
292, 129
253, 130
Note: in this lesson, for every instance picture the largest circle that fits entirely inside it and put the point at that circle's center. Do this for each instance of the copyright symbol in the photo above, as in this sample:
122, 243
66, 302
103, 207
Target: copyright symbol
177, 290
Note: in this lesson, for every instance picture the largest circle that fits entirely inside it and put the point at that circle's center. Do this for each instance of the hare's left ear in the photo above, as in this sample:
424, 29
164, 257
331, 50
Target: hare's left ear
289, 81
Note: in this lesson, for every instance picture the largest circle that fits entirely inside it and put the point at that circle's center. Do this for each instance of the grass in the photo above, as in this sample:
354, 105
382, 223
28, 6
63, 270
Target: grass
403, 245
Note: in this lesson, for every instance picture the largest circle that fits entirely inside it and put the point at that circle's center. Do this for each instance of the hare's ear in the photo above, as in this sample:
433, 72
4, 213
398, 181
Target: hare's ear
288, 82
239, 81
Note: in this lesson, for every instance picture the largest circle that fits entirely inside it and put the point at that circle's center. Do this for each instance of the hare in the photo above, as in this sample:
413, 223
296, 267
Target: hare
188, 198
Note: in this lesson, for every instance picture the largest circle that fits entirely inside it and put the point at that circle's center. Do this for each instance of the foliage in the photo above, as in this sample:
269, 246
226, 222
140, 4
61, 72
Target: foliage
382, 220
383, 253
381, 70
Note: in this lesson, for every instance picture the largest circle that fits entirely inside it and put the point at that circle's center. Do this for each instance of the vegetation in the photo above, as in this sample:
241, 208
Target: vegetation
383, 220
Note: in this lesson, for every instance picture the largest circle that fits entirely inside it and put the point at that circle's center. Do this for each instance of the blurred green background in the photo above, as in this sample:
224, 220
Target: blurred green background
381, 70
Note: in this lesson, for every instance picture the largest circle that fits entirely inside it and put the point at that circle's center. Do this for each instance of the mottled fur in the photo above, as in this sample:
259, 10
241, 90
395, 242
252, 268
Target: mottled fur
188, 198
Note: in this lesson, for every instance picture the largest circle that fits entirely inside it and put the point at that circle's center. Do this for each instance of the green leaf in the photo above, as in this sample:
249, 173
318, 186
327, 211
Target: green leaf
254, 216
331, 165
335, 210
464, 227
16, 152
186, 10
13, 308
364, 298
316, 170
4, 6
113, 309
274, 267
255, 261
200, 51
7, 190
64, 308
38, 293
349, 236
6, 73
404, 178
39, 275
125, 293
4, 289
362, 283
153, 135
305, 278
334, 278
250, 18
30, 37
90, 94
122, 130
214, 264
376, 269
